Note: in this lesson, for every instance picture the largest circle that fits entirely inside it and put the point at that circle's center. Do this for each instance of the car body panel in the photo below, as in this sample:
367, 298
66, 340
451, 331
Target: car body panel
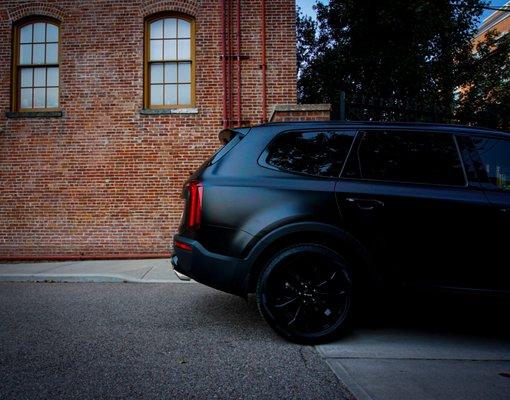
232, 274
419, 233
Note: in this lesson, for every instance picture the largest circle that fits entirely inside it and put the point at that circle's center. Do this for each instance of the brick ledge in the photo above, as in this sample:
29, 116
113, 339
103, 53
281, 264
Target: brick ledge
289, 108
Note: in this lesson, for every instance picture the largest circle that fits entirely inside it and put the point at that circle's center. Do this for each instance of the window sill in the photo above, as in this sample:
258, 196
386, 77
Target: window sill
168, 111
34, 114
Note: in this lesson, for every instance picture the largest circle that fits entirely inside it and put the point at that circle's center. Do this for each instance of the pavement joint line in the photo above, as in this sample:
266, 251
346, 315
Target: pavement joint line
146, 272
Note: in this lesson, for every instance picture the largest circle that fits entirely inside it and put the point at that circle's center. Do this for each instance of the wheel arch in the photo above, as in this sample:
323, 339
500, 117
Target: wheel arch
324, 234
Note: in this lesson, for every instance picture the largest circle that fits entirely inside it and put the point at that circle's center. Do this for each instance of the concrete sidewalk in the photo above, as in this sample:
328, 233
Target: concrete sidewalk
137, 271
400, 364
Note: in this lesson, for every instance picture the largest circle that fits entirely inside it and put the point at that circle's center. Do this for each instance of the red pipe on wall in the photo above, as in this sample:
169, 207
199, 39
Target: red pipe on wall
229, 62
263, 61
238, 50
224, 63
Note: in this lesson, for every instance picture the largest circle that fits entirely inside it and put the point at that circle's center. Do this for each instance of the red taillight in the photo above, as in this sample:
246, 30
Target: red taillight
196, 191
182, 246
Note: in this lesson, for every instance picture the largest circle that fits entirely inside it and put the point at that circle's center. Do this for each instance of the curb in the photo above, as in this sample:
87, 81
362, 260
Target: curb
349, 382
83, 278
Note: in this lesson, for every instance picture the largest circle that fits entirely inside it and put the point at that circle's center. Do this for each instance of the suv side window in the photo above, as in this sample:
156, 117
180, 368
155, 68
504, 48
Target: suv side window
495, 158
319, 153
406, 156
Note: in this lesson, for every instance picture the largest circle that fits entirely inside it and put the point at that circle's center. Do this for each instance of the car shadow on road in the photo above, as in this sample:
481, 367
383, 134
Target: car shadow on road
439, 313
461, 315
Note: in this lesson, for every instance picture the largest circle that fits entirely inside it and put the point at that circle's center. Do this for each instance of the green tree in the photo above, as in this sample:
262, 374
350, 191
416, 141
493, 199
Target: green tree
485, 97
306, 30
400, 52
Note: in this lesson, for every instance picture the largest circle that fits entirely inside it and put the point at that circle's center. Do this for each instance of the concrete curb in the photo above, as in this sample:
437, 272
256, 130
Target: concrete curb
348, 380
91, 278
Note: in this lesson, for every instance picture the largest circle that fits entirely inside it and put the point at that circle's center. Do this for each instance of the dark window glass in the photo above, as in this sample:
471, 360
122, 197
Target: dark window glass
495, 156
414, 157
472, 162
312, 153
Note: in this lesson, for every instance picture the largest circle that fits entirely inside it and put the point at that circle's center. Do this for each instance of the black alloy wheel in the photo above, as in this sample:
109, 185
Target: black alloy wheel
305, 293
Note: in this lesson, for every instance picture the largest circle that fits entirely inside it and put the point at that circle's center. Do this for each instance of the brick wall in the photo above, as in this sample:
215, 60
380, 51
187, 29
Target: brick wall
104, 179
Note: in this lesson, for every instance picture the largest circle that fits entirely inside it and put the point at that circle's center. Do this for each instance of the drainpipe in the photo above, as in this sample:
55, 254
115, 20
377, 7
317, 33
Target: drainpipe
224, 63
238, 50
229, 61
263, 60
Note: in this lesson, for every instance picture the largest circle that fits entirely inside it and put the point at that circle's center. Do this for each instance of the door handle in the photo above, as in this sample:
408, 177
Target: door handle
365, 204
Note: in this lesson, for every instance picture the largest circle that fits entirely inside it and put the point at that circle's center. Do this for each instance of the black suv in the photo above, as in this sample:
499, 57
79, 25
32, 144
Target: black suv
313, 216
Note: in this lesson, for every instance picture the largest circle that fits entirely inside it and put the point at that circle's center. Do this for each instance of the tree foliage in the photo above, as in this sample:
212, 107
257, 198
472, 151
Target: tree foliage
485, 98
306, 30
399, 52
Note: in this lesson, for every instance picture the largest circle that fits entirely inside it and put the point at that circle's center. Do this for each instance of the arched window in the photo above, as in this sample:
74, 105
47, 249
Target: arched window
36, 65
169, 62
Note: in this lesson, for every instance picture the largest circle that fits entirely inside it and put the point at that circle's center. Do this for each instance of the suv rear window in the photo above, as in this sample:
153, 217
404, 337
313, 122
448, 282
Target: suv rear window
319, 153
406, 156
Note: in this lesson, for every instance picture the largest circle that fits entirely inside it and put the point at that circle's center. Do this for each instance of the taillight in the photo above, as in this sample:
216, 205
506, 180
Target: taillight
182, 246
196, 191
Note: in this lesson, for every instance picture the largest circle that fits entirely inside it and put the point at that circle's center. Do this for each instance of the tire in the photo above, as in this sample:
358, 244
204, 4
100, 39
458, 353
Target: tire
305, 293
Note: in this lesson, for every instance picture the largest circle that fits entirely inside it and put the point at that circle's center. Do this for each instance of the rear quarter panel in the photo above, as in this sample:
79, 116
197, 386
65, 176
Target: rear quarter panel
249, 200
259, 205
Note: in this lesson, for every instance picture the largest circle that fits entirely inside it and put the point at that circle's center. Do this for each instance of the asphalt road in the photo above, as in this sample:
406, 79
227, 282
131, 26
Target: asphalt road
147, 341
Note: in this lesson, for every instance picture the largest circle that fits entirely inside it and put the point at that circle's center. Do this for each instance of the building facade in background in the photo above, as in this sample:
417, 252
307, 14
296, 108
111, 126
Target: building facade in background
107, 106
498, 21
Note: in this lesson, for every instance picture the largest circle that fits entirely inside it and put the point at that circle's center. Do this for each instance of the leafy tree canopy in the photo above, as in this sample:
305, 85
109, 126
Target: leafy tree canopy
399, 52
485, 98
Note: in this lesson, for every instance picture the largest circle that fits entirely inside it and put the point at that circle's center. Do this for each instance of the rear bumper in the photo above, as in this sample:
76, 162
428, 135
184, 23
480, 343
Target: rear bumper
215, 270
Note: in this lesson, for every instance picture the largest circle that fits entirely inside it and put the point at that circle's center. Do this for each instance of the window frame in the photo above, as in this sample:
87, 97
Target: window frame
146, 62
16, 67
356, 143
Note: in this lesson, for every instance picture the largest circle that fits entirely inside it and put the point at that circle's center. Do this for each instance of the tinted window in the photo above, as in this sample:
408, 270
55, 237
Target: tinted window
415, 157
495, 156
472, 162
312, 153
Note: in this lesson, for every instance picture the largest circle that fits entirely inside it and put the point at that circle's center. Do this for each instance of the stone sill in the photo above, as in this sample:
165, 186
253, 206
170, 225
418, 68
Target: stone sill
169, 111
34, 114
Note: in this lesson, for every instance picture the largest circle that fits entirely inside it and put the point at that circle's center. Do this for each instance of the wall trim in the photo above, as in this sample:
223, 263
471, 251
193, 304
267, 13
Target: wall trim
72, 257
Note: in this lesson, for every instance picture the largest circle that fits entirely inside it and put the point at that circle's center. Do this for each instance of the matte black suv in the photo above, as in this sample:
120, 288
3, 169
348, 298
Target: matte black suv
314, 216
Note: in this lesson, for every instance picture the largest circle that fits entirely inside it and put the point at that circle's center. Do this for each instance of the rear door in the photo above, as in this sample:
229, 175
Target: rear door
406, 195
490, 157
